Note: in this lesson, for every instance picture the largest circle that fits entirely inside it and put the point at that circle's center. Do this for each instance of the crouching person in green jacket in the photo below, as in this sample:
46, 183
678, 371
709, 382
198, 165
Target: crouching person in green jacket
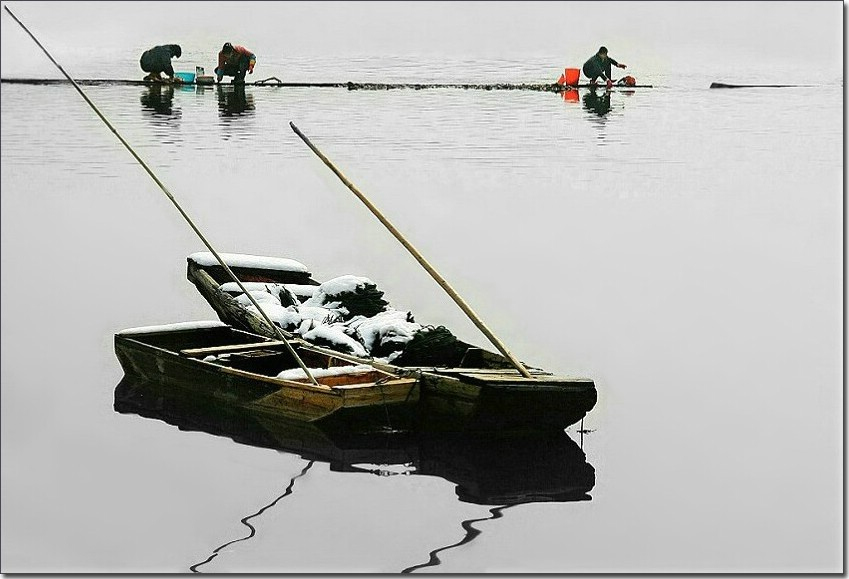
158, 60
599, 65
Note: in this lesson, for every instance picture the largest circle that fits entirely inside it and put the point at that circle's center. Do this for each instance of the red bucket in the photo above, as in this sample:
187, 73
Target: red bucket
572, 75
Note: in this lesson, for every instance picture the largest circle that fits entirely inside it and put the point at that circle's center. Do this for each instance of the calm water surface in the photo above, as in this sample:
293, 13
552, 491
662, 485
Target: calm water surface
679, 245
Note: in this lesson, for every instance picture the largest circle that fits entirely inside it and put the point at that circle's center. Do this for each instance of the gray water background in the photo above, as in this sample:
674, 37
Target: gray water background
684, 250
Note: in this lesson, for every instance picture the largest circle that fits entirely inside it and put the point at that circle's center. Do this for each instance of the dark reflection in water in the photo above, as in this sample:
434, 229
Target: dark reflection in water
500, 471
233, 100
595, 103
571, 96
471, 534
158, 101
244, 521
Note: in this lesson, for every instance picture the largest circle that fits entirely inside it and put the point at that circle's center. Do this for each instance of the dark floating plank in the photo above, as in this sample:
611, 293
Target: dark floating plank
724, 85
133, 82
546, 87
542, 87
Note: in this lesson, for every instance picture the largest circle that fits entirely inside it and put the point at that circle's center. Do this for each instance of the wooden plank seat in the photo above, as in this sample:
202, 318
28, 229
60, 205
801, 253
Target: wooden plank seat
488, 371
537, 380
230, 348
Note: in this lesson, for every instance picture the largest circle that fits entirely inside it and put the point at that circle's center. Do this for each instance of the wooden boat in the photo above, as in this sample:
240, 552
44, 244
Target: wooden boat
215, 360
259, 374
486, 469
462, 386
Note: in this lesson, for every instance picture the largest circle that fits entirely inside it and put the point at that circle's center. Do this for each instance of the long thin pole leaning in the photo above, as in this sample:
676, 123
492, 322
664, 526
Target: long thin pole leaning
415, 253
165, 190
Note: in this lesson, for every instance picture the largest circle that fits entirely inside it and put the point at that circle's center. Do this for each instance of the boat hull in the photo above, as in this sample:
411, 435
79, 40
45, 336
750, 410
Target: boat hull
485, 393
448, 403
392, 404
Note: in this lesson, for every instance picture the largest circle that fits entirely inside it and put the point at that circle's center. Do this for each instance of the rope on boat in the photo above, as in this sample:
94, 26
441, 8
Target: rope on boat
379, 384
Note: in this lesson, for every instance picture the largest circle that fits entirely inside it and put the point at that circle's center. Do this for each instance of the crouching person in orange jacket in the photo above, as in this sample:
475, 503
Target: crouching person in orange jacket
235, 61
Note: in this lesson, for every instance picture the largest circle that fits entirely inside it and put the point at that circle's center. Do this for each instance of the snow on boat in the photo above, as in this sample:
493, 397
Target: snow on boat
462, 387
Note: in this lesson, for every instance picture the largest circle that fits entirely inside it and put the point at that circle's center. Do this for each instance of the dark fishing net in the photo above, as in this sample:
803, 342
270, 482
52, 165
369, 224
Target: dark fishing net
332, 345
366, 301
433, 346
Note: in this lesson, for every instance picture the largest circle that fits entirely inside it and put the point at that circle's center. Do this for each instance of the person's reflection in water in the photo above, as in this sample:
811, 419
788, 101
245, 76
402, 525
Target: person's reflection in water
234, 101
158, 100
598, 104
158, 108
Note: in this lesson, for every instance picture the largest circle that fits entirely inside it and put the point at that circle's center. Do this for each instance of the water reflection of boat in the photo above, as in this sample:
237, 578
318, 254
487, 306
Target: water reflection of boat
488, 470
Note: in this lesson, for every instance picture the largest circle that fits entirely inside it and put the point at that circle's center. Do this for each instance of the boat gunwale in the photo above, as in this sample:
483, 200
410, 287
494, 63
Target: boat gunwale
273, 380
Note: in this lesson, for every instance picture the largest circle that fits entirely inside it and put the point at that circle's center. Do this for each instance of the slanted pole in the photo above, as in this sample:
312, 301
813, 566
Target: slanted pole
415, 253
165, 190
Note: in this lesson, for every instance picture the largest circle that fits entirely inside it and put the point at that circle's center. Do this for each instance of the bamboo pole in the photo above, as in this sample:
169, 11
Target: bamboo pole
418, 256
165, 190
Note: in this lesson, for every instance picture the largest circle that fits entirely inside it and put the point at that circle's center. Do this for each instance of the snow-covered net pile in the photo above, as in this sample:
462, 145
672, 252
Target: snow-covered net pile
347, 314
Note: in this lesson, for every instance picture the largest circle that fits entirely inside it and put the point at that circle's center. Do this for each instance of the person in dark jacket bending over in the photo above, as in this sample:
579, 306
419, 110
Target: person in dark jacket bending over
158, 60
235, 61
599, 65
